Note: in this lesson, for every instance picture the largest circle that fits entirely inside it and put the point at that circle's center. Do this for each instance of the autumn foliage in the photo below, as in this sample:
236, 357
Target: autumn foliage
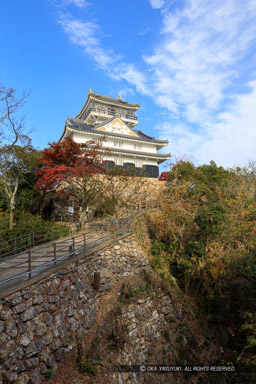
205, 236
66, 160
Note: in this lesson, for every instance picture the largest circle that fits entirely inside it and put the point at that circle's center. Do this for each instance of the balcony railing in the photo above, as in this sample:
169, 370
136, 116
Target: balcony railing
111, 112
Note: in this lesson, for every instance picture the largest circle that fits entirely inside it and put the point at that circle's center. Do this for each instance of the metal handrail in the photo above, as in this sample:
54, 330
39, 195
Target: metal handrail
68, 246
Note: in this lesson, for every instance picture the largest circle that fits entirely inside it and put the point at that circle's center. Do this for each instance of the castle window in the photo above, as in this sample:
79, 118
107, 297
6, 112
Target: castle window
118, 144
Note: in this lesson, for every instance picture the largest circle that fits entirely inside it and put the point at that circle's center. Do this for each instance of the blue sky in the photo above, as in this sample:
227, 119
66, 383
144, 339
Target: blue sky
189, 63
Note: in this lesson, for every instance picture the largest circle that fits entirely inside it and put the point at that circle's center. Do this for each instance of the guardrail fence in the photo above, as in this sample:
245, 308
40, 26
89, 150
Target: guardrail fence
36, 259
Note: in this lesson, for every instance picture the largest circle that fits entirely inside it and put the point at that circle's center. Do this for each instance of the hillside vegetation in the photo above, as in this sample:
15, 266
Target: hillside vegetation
204, 236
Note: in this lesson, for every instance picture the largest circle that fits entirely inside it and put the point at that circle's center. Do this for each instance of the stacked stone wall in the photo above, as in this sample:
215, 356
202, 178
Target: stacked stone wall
38, 325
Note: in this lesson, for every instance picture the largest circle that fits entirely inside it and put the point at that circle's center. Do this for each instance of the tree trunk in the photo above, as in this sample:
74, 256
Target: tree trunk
83, 218
12, 204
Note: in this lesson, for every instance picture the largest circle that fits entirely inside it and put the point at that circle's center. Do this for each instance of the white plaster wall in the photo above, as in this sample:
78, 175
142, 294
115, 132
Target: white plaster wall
120, 159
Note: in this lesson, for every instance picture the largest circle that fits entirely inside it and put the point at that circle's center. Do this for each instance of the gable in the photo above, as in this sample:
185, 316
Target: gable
117, 126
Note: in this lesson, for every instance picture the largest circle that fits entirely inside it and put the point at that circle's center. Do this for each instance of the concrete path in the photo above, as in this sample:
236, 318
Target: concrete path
48, 256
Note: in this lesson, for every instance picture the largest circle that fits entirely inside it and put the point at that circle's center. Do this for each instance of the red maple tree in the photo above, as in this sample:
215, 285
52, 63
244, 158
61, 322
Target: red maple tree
69, 167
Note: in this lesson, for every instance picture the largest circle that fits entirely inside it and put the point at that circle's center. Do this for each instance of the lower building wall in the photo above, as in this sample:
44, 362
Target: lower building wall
147, 170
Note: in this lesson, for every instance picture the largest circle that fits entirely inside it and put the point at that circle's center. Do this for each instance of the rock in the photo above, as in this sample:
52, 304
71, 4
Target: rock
44, 354
108, 286
50, 363
8, 350
19, 353
59, 354
21, 327
32, 363
48, 320
11, 325
19, 308
34, 348
52, 308
9, 362
47, 339
65, 284
3, 338
1, 326
26, 339
20, 367
5, 314
56, 344
39, 345
40, 329
38, 299
70, 311
11, 377
36, 377
52, 291
23, 379
28, 314
43, 369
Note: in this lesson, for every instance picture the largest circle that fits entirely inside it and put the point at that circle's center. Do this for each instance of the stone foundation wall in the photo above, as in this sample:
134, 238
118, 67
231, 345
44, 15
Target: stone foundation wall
37, 325
145, 321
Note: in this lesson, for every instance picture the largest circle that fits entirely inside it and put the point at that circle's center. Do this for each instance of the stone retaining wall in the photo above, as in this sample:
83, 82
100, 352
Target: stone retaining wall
36, 326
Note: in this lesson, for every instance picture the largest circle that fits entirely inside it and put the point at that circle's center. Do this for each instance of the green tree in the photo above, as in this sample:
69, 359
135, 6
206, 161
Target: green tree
16, 163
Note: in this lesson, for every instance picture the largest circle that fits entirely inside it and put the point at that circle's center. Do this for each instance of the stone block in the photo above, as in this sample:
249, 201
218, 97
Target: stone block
10, 377
7, 351
47, 339
23, 379
32, 363
19, 308
5, 314
26, 339
36, 377
28, 314
40, 329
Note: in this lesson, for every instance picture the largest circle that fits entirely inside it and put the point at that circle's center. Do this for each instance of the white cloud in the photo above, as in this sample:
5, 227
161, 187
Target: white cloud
229, 141
198, 71
77, 3
197, 61
133, 76
125, 91
156, 4
203, 59
86, 34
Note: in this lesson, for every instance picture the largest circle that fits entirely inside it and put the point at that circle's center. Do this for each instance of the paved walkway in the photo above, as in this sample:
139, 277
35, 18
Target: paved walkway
47, 257
37, 262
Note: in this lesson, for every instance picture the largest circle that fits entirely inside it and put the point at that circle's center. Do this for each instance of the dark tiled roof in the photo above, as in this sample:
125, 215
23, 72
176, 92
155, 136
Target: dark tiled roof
113, 99
79, 125
164, 156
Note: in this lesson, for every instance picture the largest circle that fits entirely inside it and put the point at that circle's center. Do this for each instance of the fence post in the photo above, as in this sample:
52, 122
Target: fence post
54, 254
29, 264
96, 280
15, 246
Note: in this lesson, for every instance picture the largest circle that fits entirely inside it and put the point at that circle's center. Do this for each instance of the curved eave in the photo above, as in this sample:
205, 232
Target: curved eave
63, 134
99, 99
158, 143
160, 157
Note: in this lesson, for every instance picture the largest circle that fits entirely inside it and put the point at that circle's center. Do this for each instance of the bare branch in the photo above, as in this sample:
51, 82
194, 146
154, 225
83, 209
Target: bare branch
12, 126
